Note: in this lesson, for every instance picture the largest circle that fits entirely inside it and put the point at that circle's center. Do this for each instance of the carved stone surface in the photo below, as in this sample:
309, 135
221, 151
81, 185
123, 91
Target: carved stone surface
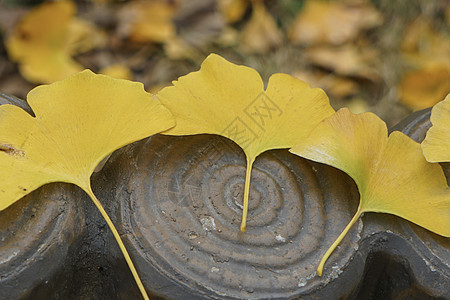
181, 209
36, 234
9, 99
177, 203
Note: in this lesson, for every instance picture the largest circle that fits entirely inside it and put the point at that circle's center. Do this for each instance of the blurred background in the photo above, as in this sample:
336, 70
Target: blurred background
387, 57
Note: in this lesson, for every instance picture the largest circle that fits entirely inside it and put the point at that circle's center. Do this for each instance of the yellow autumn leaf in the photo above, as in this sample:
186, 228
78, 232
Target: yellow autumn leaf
232, 10
148, 21
79, 121
119, 71
261, 33
229, 100
424, 46
436, 146
332, 22
391, 173
424, 87
334, 85
46, 38
426, 50
347, 60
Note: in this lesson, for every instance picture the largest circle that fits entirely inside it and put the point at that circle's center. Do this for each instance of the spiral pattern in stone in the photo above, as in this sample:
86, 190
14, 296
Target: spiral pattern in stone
185, 211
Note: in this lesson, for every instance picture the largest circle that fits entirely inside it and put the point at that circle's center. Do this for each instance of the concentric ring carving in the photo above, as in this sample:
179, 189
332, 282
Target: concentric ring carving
185, 210
33, 229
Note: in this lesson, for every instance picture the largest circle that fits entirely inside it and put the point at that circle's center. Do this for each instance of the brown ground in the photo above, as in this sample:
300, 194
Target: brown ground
379, 49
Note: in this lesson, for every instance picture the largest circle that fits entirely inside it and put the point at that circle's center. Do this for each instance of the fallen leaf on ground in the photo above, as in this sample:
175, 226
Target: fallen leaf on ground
229, 100
425, 87
357, 105
228, 38
147, 21
424, 46
426, 50
335, 86
347, 60
119, 71
79, 121
232, 10
261, 33
334, 23
45, 40
176, 48
436, 146
391, 173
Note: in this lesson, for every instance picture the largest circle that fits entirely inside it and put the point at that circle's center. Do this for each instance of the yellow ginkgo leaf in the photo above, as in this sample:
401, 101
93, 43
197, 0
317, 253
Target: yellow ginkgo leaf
391, 173
229, 100
232, 10
261, 33
79, 121
148, 21
44, 40
436, 146
117, 71
332, 22
424, 87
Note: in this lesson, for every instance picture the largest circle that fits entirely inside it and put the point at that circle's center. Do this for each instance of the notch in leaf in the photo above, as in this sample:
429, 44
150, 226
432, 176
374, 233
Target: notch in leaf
391, 173
229, 100
436, 146
79, 121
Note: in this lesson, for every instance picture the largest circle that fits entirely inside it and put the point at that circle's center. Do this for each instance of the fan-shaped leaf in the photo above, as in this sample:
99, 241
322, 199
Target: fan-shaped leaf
229, 100
436, 146
79, 121
46, 38
391, 173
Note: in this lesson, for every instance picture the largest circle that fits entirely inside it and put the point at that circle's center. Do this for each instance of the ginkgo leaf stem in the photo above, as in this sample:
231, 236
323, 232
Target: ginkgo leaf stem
338, 240
248, 175
97, 203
